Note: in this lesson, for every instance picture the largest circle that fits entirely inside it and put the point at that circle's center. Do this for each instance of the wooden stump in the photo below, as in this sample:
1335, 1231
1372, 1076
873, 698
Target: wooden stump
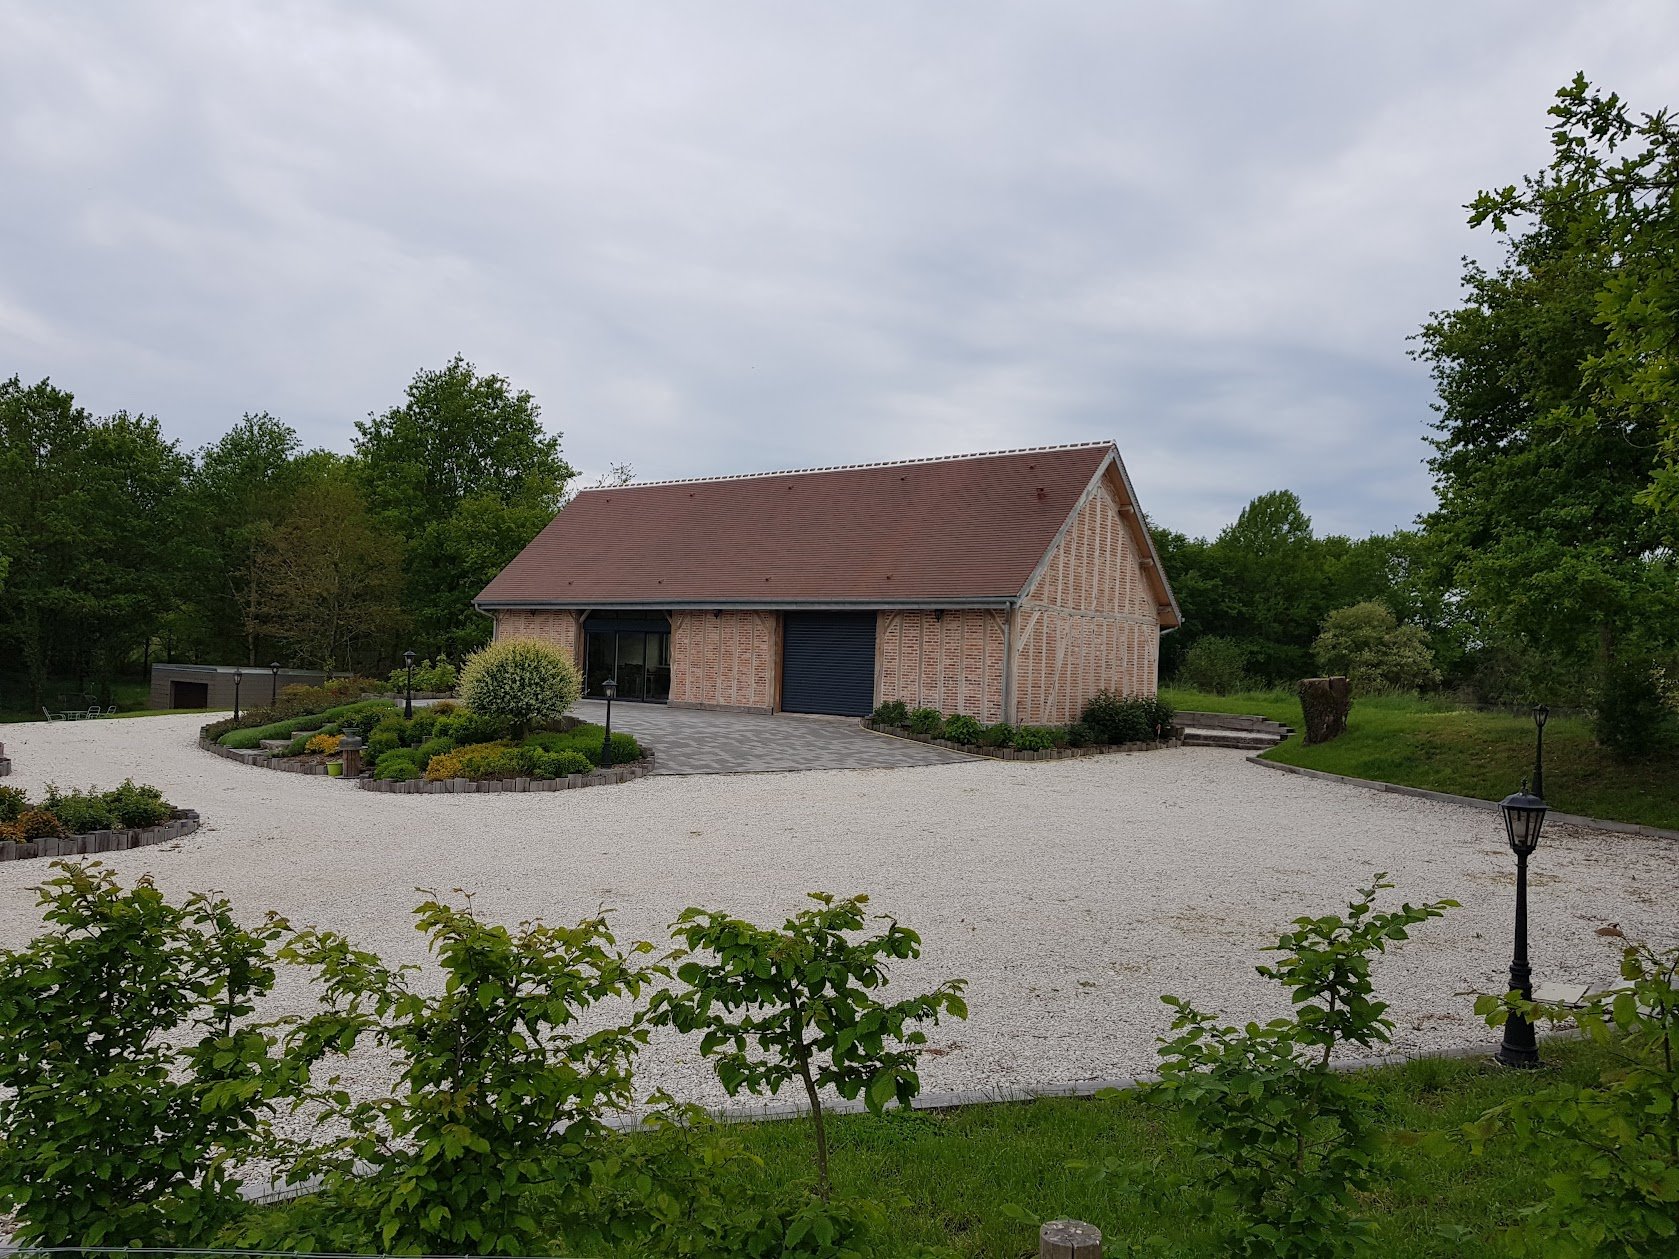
1325, 703
1069, 1239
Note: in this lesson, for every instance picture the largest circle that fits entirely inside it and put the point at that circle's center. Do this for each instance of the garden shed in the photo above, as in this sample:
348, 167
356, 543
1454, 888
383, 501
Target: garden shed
1009, 586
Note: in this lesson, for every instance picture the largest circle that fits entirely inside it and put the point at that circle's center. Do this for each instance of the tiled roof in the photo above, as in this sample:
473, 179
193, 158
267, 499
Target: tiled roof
964, 528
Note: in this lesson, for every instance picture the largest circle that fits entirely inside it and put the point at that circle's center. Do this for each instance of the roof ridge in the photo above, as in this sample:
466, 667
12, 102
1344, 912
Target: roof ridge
848, 467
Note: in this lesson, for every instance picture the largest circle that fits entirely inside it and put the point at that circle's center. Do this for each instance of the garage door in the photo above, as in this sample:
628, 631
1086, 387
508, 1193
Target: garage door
827, 662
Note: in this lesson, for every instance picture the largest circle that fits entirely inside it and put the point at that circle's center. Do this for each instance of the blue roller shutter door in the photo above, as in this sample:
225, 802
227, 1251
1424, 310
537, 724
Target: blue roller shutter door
827, 662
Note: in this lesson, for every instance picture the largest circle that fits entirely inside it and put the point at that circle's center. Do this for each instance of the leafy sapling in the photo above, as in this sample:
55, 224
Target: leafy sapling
801, 1003
1281, 1139
499, 1089
132, 1079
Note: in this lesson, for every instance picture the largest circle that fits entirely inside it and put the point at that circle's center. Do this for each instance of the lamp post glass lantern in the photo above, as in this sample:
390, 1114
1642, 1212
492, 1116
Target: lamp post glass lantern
274, 689
610, 689
238, 677
408, 701
1524, 818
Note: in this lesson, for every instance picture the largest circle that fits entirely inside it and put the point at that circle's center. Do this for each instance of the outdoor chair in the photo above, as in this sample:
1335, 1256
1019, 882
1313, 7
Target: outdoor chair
111, 711
93, 711
50, 715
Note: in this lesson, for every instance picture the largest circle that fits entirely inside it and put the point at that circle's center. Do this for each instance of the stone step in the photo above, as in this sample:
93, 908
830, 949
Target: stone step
1245, 740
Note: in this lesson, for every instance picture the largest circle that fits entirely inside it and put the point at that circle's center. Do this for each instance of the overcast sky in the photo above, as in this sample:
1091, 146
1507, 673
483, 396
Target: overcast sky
729, 236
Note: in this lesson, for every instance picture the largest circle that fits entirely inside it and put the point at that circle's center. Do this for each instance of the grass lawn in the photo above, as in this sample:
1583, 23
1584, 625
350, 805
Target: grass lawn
945, 1177
1434, 745
128, 694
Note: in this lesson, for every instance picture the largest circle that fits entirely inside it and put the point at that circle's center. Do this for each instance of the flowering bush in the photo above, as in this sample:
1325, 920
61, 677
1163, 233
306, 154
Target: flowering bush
522, 680
323, 743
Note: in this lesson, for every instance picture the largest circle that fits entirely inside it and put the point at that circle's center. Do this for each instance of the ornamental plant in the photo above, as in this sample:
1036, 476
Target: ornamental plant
1612, 1149
926, 721
131, 1077
1282, 1140
522, 680
962, 729
800, 1003
499, 1088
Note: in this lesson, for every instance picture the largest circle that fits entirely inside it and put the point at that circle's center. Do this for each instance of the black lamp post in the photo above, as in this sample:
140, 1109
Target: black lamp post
1524, 816
610, 687
408, 703
1541, 715
238, 677
274, 690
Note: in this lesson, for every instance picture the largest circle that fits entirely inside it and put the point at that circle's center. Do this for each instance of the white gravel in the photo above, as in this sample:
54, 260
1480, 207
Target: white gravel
1069, 894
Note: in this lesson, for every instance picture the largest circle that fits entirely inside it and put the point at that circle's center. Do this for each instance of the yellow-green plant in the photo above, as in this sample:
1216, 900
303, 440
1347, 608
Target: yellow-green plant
522, 680
323, 743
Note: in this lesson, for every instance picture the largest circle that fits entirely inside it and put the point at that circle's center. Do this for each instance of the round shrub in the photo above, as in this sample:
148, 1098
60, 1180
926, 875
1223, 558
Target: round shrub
138, 805
567, 762
1079, 735
926, 721
892, 713
431, 748
13, 802
520, 680
400, 765
420, 729
1034, 738
1000, 735
39, 824
961, 729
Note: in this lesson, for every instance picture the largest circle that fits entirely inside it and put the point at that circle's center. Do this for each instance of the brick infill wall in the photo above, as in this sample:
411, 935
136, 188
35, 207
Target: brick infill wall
446, 786
185, 822
1015, 754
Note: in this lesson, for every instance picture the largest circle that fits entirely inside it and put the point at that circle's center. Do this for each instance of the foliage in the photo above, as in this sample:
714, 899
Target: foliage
963, 729
997, 735
499, 1085
1284, 1141
893, 712
561, 764
428, 676
475, 760
39, 824
799, 1003
250, 736
329, 579
399, 765
1081, 735
133, 1077
1633, 718
1110, 718
1547, 451
1614, 1146
13, 801
469, 727
1034, 738
80, 812
1367, 645
464, 475
323, 743
1215, 664
926, 721
520, 680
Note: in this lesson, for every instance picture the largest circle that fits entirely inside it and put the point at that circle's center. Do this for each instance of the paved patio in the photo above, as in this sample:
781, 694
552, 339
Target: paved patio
691, 741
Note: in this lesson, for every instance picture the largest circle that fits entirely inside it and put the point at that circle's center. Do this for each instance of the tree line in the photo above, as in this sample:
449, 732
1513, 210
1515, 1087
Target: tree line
117, 546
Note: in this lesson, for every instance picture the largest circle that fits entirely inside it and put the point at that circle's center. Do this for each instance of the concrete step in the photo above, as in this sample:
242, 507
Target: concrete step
1245, 740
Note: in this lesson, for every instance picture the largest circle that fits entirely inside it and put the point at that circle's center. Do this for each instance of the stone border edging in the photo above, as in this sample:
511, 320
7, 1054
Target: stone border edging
1473, 802
1015, 754
449, 786
185, 822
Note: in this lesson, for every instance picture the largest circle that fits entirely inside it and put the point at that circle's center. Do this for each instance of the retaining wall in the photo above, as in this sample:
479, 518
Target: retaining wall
185, 822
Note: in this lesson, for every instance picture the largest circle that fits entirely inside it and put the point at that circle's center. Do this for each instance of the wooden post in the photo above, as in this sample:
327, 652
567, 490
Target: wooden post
1069, 1239
350, 746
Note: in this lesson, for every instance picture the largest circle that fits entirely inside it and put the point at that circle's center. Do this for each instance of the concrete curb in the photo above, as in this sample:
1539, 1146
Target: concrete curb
185, 822
1472, 802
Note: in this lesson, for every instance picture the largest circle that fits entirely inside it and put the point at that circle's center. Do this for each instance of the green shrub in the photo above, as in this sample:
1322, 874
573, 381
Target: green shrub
625, 748
1632, 718
419, 729
80, 813
138, 804
431, 748
133, 1078
1219, 665
299, 745
1080, 735
1000, 735
381, 743
926, 721
427, 676
247, 737
13, 802
962, 729
540, 763
1366, 644
1111, 719
893, 712
398, 765
476, 761
1034, 738
468, 727
521, 681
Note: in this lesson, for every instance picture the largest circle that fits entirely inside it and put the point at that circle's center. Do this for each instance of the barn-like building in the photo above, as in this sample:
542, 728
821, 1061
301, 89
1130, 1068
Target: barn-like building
1009, 586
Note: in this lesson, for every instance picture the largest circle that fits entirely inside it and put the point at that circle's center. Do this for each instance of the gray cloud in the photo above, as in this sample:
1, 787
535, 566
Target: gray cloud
727, 237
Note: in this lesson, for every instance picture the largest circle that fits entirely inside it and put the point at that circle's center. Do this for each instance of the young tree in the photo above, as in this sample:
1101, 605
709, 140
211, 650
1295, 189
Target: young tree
330, 576
132, 1081
1368, 646
523, 680
804, 999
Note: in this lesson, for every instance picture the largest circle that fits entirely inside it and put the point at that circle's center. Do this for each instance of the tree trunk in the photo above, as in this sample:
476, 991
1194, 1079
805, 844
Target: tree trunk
1325, 703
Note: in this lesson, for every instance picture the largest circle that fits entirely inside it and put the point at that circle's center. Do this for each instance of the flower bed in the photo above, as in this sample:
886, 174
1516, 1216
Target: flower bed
129, 816
1108, 723
1027, 754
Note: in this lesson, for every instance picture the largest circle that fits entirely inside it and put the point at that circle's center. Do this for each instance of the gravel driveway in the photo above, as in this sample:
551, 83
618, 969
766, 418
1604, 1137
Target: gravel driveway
1068, 893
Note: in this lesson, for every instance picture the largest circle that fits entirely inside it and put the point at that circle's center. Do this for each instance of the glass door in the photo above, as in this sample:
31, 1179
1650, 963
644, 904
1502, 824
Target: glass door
638, 659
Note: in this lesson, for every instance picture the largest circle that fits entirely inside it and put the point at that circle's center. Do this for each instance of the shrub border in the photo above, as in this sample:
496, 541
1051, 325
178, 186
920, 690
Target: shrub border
1015, 754
183, 822
452, 786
